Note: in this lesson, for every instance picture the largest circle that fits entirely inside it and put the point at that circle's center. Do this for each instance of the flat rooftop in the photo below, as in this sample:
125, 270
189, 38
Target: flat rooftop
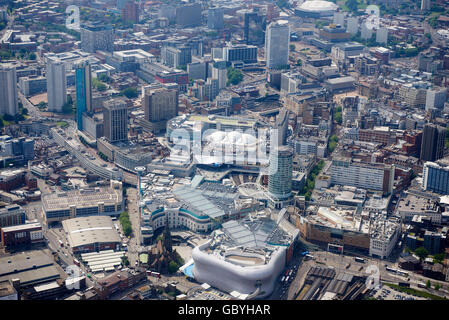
6, 289
89, 230
30, 267
415, 203
81, 198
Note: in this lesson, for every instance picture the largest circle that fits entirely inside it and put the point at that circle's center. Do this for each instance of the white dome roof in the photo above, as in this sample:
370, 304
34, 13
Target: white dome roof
234, 138
317, 6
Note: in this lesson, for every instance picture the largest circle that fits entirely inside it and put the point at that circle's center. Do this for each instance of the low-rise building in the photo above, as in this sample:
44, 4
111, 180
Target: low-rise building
413, 205
82, 202
87, 234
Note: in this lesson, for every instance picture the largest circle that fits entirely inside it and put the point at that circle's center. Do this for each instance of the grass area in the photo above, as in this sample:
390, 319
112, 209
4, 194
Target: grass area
415, 292
62, 124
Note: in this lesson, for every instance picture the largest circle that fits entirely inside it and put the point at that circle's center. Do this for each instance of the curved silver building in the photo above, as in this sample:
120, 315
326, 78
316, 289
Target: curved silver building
246, 257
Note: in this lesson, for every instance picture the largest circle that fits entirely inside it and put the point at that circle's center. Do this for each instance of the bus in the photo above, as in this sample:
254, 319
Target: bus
309, 256
390, 269
358, 259
402, 273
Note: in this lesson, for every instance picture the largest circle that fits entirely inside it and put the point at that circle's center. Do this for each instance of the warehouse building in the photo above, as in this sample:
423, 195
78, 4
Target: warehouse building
30, 268
87, 234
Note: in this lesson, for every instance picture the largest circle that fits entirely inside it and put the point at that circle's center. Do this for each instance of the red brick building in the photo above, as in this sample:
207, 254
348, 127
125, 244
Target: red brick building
24, 234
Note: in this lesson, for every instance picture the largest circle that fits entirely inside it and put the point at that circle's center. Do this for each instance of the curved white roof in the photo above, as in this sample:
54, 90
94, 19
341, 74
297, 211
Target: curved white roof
317, 6
232, 138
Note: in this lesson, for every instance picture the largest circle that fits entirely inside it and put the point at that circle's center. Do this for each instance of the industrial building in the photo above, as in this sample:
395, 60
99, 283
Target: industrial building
30, 267
87, 234
82, 202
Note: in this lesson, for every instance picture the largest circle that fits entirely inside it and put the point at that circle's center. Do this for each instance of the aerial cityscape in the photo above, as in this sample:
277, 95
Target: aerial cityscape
224, 150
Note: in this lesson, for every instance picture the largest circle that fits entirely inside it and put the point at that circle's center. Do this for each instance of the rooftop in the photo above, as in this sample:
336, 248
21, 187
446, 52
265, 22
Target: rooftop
88, 230
81, 198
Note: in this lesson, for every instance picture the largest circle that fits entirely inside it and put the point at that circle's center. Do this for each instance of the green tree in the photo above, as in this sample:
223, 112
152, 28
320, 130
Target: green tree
235, 76
97, 84
130, 92
352, 5
421, 252
428, 284
125, 261
172, 267
104, 78
439, 258
126, 223
437, 286
299, 62
292, 47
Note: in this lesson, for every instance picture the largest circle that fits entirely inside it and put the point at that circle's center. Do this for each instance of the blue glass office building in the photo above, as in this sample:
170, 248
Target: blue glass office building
436, 177
83, 84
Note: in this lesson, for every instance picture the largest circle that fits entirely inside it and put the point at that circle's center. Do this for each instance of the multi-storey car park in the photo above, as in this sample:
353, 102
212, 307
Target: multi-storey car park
82, 202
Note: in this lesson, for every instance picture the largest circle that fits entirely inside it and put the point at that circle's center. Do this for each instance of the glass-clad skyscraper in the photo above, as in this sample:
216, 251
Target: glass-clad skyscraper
83, 83
280, 173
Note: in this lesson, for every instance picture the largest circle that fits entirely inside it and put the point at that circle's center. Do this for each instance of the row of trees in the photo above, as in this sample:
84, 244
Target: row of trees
126, 223
333, 140
310, 182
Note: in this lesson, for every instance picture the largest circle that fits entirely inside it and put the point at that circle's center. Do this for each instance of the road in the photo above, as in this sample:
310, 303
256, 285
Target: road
53, 235
33, 111
134, 244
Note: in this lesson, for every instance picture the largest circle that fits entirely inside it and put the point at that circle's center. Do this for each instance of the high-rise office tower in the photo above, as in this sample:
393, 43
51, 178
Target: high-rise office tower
280, 173
365, 31
435, 98
188, 15
215, 18
115, 117
56, 84
254, 28
160, 105
382, 35
425, 5
353, 25
176, 56
432, 146
339, 18
8, 90
277, 44
245, 53
83, 85
96, 36
120, 4
130, 12
220, 72
436, 177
